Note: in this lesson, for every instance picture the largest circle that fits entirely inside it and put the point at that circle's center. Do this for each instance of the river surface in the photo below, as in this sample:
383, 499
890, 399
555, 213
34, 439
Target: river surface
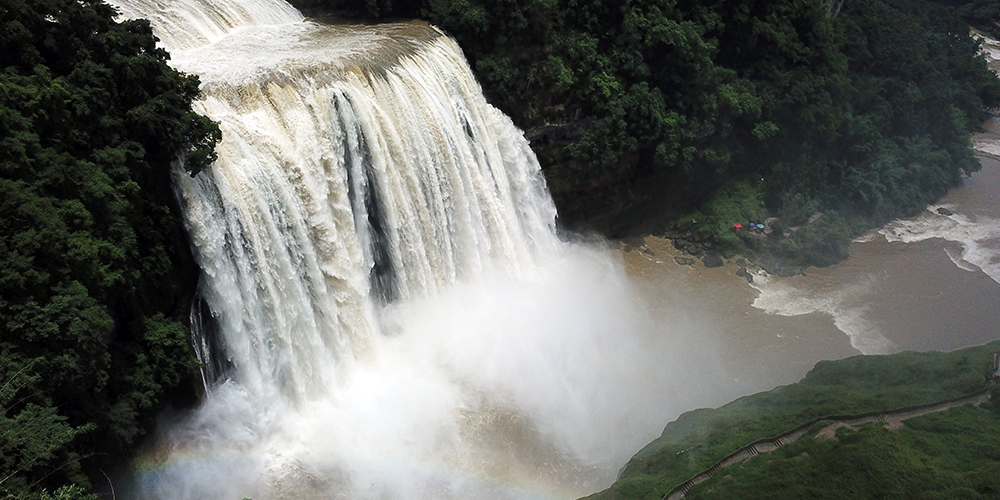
931, 282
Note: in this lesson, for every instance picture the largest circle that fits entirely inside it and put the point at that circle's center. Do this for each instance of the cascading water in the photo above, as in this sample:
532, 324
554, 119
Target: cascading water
390, 312
325, 201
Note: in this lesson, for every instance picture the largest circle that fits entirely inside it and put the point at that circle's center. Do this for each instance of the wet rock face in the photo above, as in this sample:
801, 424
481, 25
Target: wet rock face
743, 273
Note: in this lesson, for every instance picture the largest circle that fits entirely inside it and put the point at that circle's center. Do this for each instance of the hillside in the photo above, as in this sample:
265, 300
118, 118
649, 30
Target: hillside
645, 113
947, 454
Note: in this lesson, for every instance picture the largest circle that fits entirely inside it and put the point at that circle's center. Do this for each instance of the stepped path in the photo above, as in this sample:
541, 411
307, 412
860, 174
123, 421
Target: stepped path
891, 418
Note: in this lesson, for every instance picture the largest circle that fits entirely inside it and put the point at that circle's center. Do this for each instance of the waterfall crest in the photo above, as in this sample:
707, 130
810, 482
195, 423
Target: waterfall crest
184, 24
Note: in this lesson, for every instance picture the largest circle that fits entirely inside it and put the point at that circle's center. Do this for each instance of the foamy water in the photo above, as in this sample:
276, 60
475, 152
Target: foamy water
845, 304
501, 388
979, 236
885, 276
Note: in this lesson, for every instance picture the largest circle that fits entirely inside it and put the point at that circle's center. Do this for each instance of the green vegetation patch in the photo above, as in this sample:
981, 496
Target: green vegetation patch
734, 202
698, 439
948, 455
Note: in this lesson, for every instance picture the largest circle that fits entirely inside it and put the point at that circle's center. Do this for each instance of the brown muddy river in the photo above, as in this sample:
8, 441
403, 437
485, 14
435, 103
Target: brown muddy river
931, 282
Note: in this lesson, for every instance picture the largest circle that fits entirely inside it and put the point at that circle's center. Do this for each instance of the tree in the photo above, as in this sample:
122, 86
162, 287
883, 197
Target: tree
95, 270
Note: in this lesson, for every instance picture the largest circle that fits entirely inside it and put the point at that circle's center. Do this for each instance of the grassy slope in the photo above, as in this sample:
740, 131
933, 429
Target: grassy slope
853, 385
947, 455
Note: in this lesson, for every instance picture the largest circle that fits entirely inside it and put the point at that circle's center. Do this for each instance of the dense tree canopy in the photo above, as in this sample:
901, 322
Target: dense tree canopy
861, 109
95, 271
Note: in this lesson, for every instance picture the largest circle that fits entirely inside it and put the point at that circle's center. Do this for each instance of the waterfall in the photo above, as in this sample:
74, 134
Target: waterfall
384, 309
330, 198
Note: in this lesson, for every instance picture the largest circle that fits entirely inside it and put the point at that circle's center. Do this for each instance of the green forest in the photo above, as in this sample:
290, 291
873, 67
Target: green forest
96, 274
642, 112
730, 111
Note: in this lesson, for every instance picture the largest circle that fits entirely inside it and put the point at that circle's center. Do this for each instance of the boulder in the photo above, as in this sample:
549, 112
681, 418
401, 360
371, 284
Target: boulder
712, 260
945, 211
743, 273
684, 261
